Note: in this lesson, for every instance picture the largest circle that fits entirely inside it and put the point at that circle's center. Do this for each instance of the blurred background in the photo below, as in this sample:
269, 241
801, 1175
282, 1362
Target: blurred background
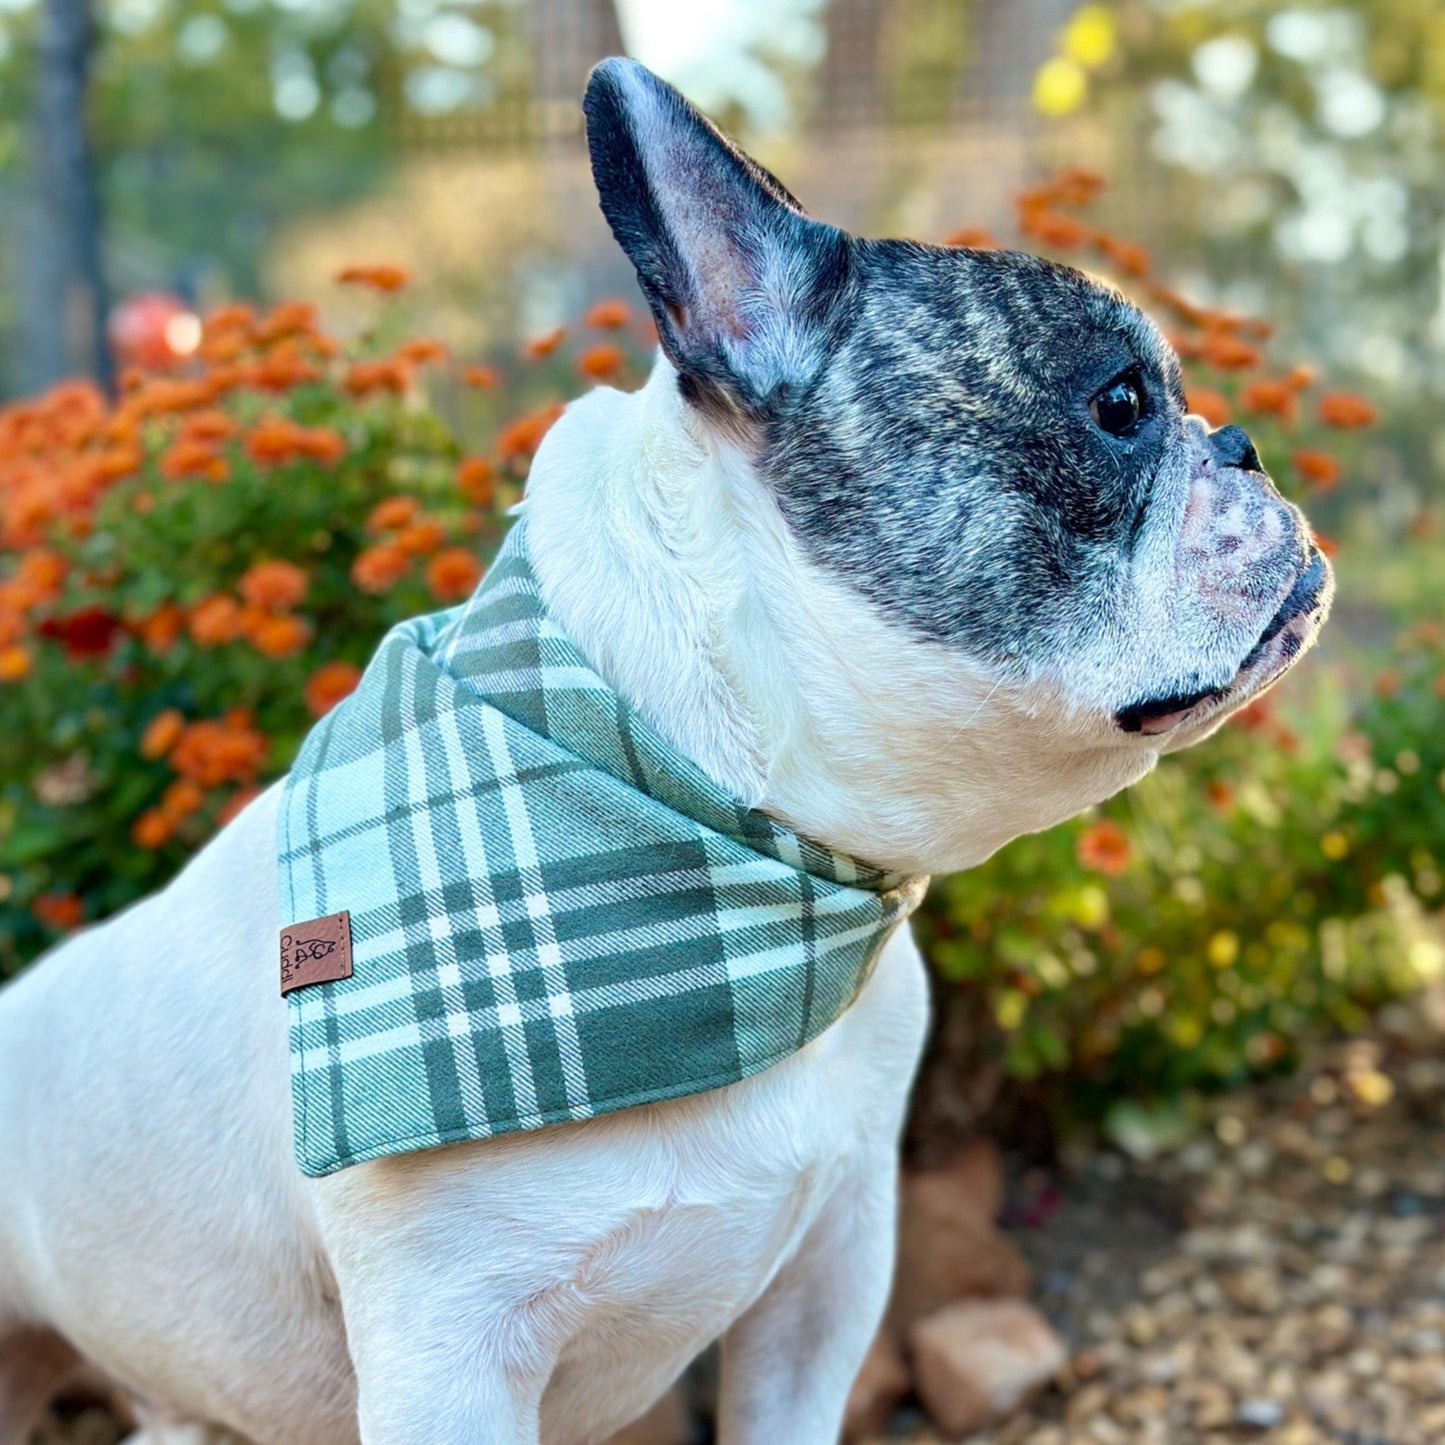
1188, 1049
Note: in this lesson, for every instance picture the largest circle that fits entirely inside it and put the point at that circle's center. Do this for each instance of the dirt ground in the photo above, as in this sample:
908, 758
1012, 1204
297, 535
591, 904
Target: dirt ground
1280, 1277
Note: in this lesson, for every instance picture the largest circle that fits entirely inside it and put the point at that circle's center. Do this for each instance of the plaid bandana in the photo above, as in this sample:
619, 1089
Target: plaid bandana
553, 914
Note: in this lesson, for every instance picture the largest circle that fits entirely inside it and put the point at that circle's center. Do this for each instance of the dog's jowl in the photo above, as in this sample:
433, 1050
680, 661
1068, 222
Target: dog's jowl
901, 551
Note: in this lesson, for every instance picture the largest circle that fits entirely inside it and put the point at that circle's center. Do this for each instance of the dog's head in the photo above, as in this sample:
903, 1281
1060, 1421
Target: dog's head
990, 450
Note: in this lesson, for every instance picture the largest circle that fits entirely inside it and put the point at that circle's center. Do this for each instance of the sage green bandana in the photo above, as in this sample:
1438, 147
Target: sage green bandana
552, 913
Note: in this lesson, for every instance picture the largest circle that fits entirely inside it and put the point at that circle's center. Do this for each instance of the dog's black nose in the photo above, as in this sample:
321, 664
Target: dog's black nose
1233, 448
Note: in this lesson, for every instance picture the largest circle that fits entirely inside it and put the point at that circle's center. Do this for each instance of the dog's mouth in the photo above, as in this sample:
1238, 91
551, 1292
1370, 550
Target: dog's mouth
1284, 637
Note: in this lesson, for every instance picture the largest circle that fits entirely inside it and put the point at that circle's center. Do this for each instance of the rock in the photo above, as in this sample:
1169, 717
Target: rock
669, 1422
976, 1362
949, 1247
1259, 1414
882, 1382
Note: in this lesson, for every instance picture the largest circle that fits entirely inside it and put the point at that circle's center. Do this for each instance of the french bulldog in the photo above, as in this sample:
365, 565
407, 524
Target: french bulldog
916, 549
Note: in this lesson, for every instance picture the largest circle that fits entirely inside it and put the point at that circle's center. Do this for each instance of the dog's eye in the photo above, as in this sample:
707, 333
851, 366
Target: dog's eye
1119, 406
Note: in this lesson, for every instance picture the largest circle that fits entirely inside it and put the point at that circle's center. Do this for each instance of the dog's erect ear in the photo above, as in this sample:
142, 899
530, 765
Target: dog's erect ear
746, 290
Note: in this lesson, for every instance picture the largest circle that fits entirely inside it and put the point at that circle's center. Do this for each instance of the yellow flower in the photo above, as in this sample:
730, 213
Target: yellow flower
1090, 37
1060, 86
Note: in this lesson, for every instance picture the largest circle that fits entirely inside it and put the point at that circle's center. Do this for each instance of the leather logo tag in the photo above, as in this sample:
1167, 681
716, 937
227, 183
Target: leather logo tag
316, 952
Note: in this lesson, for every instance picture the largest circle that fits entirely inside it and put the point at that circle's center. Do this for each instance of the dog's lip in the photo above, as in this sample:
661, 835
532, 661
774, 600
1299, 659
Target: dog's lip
1305, 596
1160, 715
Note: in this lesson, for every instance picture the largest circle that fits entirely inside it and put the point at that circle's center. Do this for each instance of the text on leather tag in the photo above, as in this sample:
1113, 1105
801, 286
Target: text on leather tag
316, 952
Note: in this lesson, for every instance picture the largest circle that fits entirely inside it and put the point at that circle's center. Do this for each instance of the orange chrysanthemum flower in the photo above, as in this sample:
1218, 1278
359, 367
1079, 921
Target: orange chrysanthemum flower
219, 750
391, 513
477, 481
1229, 352
1346, 410
601, 362
41, 572
421, 538
279, 635
215, 621
453, 574
1212, 405
1318, 468
379, 278
274, 586
237, 316
1104, 847
117, 462
331, 682
378, 569
152, 830
365, 377
1220, 795
542, 346
15, 663
182, 798
420, 350
1269, 397
1126, 256
282, 369
186, 458
160, 629
288, 319
272, 441
162, 733
971, 238
1050, 228
481, 377
610, 314
522, 437
210, 426
275, 440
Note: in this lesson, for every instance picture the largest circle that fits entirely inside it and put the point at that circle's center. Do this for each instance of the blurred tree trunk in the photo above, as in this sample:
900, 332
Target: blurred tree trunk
64, 294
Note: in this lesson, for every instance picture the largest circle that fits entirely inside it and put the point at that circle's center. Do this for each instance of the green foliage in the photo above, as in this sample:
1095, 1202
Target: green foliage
1271, 884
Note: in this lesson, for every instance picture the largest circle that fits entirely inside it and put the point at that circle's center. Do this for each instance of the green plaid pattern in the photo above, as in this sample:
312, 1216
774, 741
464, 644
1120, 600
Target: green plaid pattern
553, 913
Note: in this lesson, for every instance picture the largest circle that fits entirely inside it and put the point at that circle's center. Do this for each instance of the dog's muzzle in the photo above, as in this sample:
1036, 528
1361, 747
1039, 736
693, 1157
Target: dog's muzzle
1281, 641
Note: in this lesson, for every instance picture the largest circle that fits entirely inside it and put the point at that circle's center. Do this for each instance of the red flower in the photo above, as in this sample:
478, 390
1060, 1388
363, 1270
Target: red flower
87, 633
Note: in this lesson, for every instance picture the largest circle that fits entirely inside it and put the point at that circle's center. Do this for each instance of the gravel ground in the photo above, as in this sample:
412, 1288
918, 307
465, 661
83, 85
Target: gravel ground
1279, 1278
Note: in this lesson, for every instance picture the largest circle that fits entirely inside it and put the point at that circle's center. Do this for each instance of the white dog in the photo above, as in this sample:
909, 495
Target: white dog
914, 549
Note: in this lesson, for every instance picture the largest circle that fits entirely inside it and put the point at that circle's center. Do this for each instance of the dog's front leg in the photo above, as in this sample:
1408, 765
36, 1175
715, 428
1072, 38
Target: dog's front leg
440, 1354
789, 1362
423, 1378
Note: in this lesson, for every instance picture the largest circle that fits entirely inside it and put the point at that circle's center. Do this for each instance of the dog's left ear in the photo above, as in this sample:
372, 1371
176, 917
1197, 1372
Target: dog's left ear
747, 291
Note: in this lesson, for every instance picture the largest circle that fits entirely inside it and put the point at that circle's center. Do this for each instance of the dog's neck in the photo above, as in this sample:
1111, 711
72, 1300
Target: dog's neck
665, 558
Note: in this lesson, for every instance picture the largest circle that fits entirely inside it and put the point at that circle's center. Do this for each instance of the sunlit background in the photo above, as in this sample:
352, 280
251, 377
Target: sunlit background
1284, 153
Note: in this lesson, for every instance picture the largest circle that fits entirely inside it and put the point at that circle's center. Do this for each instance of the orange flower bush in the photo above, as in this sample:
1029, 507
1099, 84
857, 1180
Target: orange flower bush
192, 573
